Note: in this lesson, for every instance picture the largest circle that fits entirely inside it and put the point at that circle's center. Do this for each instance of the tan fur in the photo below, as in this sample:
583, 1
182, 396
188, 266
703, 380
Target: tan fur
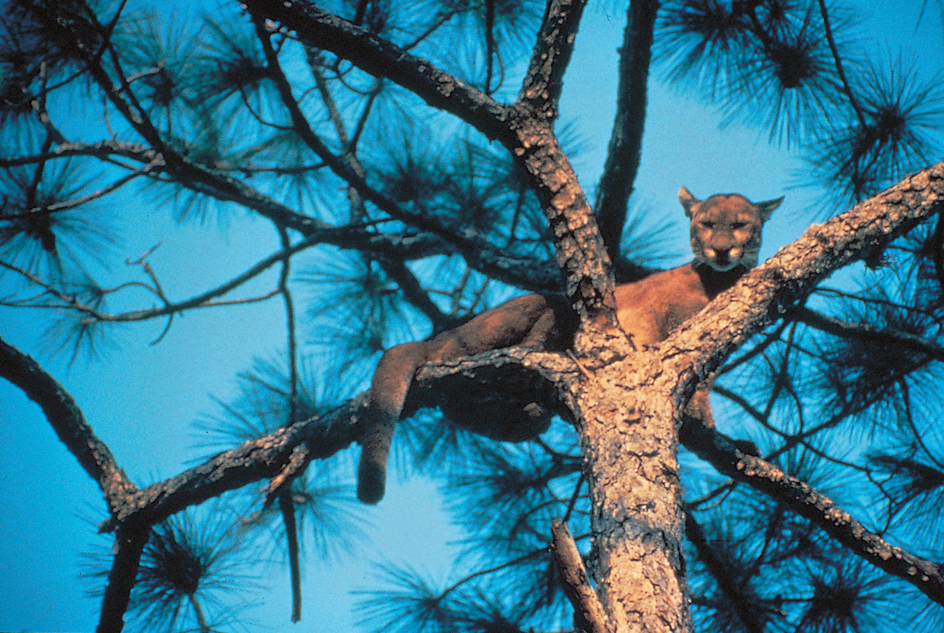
725, 236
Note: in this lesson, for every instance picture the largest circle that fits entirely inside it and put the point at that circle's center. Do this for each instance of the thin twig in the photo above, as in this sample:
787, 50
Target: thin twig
199, 301
839, 68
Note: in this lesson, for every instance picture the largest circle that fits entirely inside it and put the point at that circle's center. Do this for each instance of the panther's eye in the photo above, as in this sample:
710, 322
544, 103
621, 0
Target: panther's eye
739, 225
708, 224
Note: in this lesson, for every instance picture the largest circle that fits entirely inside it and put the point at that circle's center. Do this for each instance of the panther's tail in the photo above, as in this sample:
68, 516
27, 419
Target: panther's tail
372, 470
388, 390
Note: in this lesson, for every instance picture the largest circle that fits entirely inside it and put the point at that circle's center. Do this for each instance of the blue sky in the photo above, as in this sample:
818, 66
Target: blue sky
142, 399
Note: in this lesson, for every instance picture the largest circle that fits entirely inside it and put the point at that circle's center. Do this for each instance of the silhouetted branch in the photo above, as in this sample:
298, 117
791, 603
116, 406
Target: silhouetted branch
802, 499
287, 508
382, 58
625, 149
129, 543
853, 101
723, 575
866, 332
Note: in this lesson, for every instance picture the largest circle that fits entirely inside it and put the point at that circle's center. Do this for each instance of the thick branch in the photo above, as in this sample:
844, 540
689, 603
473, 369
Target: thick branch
67, 420
580, 251
819, 509
625, 149
542, 85
382, 58
283, 454
501, 381
773, 288
253, 460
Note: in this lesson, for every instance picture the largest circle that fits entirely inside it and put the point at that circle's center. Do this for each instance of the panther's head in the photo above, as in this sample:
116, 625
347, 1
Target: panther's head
726, 228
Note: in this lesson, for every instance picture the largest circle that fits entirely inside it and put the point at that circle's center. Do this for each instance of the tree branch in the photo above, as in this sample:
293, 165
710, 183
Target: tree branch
520, 271
771, 289
284, 453
797, 495
625, 149
589, 615
847, 88
251, 461
67, 420
542, 85
866, 332
130, 543
382, 58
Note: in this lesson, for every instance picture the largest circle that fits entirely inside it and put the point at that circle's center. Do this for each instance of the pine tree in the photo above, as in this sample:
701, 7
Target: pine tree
408, 161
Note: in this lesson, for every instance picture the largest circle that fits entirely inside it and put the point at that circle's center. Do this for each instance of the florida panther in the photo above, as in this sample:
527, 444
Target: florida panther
725, 239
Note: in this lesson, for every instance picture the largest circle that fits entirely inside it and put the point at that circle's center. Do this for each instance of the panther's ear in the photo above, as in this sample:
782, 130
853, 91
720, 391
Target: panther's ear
766, 208
688, 200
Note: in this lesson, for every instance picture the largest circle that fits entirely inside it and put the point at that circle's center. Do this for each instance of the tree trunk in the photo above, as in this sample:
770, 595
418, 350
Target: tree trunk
629, 441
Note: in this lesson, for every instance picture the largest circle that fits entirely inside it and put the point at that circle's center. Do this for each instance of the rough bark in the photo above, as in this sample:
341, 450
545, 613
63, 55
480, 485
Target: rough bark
589, 615
802, 499
581, 254
525, 128
253, 460
66, 419
627, 425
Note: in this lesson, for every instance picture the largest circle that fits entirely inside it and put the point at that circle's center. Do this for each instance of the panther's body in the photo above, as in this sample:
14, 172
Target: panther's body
725, 238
